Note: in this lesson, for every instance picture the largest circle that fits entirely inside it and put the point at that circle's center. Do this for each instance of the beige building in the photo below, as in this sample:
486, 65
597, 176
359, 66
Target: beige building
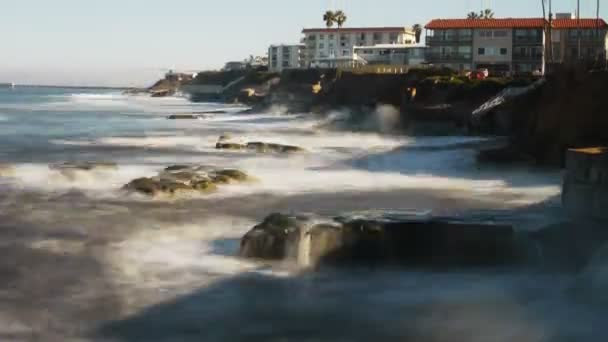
281, 57
331, 47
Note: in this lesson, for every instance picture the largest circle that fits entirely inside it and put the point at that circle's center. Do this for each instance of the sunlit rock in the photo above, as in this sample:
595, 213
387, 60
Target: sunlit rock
180, 179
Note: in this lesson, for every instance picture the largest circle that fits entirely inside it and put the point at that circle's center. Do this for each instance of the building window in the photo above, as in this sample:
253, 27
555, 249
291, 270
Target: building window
485, 34
481, 51
321, 46
321, 37
285, 64
503, 51
377, 36
331, 36
465, 33
500, 34
393, 38
312, 37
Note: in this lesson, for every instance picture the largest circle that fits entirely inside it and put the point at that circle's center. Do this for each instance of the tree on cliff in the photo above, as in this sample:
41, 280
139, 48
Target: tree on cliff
329, 18
473, 15
418, 31
486, 14
340, 18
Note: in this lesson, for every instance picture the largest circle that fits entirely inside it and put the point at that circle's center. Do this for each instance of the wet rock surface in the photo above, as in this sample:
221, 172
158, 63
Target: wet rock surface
382, 238
225, 143
181, 179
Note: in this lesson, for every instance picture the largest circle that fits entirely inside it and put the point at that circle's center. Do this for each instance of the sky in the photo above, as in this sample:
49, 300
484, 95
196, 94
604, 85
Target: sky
133, 42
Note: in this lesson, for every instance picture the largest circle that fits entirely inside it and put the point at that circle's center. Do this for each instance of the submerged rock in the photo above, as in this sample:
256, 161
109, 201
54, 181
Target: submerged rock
186, 117
269, 147
84, 166
381, 239
229, 146
178, 179
261, 147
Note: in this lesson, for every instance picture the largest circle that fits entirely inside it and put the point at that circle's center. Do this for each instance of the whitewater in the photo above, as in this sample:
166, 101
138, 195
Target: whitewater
84, 260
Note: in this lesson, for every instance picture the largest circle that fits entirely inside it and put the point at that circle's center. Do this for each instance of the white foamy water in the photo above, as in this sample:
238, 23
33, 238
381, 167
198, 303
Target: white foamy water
171, 265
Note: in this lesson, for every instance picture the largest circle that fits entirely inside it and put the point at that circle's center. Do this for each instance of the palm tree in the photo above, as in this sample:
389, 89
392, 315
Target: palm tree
418, 31
486, 14
329, 18
340, 18
473, 15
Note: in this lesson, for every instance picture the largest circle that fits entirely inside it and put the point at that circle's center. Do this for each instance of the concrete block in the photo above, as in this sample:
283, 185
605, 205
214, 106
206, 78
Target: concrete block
578, 199
578, 165
600, 203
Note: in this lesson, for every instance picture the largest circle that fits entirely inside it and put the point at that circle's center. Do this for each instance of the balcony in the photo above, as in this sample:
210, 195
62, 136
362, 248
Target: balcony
527, 56
438, 57
456, 39
528, 40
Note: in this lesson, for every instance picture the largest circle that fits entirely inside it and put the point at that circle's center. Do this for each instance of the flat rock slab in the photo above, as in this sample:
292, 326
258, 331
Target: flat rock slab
186, 117
224, 143
183, 179
364, 238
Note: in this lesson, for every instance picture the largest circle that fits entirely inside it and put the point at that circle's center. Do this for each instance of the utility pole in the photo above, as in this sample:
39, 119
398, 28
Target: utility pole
551, 31
578, 24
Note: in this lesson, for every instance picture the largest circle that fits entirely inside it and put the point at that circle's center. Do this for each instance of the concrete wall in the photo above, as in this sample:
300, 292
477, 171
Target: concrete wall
492, 40
277, 61
585, 190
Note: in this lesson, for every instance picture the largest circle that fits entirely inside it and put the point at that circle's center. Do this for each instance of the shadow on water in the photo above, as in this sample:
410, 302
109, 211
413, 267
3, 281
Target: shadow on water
454, 160
364, 306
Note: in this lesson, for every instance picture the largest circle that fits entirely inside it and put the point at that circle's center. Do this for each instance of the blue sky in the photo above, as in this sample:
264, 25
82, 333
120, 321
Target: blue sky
129, 42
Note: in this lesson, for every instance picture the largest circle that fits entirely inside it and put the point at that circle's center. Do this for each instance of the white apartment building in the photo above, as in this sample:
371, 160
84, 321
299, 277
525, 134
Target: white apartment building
281, 57
332, 47
391, 54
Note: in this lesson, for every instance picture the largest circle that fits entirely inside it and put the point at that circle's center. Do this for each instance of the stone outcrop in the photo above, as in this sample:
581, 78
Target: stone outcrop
585, 188
384, 238
224, 143
182, 179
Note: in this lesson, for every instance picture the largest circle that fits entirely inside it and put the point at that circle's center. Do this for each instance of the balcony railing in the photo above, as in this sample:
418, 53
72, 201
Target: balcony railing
528, 40
449, 39
527, 56
449, 56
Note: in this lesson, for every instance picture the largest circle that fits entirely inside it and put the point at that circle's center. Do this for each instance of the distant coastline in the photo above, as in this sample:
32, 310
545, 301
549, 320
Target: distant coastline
68, 87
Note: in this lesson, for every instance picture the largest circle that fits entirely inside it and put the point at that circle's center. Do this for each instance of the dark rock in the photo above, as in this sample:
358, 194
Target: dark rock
153, 187
269, 147
186, 117
229, 146
503, 155
406, 240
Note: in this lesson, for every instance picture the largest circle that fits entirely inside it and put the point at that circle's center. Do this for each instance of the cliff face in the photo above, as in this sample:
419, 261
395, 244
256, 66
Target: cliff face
569, 111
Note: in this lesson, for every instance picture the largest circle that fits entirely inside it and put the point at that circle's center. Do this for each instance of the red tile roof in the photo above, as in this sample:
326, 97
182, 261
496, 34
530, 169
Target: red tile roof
573, 23
355, 29
485, 23
513, 23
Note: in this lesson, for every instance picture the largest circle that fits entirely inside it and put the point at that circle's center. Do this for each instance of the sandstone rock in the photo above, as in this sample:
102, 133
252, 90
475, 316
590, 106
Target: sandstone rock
7, 170
406, 239
154, 187
177, 179
229, 176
